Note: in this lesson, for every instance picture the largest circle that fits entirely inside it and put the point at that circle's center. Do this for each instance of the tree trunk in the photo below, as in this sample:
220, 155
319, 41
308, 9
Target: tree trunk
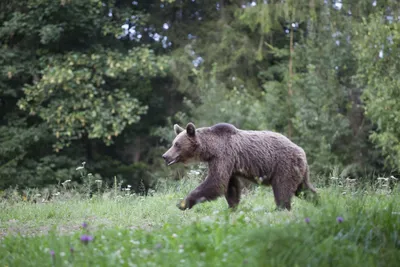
136, 155
290, 90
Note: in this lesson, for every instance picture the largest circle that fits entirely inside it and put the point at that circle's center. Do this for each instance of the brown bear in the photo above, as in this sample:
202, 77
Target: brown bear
262, 157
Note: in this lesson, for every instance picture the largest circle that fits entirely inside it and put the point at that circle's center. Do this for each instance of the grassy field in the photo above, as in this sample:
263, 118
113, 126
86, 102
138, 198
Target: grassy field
349, 228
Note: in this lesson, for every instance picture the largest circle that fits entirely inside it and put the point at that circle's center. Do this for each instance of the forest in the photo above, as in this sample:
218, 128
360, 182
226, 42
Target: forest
102, 82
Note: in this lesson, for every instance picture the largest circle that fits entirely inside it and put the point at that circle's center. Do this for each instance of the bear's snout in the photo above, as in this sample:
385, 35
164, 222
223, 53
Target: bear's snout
168, 160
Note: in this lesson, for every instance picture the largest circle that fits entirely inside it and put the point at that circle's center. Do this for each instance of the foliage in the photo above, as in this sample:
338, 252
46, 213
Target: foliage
83, 94
377, 53
69, 77
104, 81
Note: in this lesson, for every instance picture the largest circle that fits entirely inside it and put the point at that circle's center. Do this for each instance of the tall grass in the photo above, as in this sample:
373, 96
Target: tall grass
351, 227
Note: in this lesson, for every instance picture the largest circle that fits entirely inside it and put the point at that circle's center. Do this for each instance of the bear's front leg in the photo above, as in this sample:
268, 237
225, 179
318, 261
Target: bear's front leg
206, 191
214, 186
188, 203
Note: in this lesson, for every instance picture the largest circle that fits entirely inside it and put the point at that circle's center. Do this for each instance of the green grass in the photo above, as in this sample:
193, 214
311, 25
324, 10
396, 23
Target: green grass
151, 231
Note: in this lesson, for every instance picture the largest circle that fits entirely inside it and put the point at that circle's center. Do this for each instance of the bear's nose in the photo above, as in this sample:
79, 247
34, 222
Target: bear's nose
164, 157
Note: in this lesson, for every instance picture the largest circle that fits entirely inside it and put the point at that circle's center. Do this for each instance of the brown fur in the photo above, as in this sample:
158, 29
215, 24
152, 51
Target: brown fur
259, 156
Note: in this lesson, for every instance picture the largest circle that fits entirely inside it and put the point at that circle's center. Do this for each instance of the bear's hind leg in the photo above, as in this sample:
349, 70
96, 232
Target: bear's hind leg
309, 194
233, 193
283, 195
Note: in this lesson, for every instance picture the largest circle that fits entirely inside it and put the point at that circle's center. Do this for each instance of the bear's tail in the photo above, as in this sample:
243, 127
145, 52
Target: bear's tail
307, 182
307, 188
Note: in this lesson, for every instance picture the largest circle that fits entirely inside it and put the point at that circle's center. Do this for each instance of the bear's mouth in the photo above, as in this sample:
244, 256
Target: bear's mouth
169, 163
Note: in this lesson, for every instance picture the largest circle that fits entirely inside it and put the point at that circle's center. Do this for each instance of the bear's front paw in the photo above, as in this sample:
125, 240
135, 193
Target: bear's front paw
182, 204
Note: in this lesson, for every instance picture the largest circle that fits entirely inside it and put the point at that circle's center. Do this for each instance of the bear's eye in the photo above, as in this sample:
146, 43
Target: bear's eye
177, 145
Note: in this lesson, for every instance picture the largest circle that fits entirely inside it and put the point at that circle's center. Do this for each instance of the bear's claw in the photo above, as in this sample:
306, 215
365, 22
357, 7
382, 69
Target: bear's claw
182, 204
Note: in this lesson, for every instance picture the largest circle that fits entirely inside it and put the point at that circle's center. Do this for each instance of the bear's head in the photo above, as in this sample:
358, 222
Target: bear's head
184, 147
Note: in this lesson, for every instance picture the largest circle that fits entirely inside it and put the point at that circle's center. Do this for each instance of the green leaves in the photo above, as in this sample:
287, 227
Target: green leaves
50, 33
68, 78
83, 94
377, 49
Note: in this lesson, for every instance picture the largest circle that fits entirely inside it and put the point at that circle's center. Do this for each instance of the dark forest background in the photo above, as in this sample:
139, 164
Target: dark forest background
103, 82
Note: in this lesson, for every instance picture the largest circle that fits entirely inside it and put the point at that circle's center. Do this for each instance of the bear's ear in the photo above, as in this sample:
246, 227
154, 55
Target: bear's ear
178, 129
190, 129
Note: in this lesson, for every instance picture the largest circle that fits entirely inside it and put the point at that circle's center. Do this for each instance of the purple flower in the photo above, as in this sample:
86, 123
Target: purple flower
85, 239
307, 220
52, 253
71, 249
339, 219
84, 225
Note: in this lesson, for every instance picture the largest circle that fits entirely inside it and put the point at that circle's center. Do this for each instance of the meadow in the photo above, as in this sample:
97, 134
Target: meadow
351, 227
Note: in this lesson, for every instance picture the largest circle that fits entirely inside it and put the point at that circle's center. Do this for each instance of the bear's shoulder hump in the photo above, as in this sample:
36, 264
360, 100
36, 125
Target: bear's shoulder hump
223, 128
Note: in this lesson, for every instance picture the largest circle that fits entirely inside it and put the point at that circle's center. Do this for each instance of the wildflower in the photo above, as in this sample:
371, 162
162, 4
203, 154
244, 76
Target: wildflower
307, 220
339, 219
98, 181
71, 249
53, 256
79, 168
207, 219
85, 239
259, 208
174, 235
84, 225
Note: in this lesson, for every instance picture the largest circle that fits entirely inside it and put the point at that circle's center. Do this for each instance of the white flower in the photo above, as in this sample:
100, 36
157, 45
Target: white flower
207, 219
259, 208
174, 235
80, 168
135, 242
